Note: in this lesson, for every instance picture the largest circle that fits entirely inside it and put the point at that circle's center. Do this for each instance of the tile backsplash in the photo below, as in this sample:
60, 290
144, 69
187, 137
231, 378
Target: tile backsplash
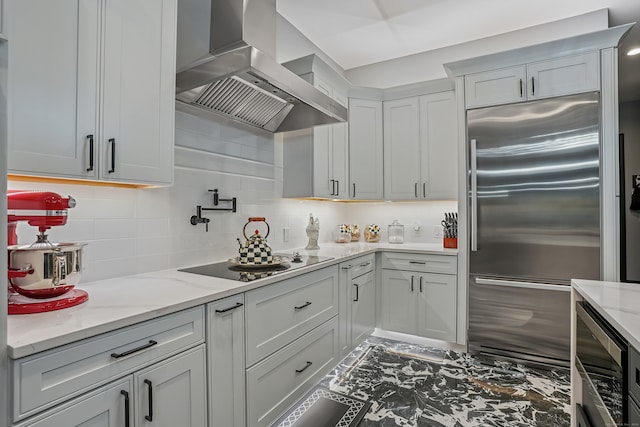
131, 231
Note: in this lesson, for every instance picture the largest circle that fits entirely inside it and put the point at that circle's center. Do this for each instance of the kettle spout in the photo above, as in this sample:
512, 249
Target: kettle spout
239, 242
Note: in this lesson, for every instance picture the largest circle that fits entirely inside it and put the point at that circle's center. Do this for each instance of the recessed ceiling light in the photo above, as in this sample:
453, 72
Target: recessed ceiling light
634, 51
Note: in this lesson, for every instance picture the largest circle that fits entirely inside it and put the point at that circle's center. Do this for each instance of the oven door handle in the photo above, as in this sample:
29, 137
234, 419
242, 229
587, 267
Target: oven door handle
593, 393
599, 334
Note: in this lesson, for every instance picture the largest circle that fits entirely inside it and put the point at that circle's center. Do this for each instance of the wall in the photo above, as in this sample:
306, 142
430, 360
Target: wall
131, 231
630, 127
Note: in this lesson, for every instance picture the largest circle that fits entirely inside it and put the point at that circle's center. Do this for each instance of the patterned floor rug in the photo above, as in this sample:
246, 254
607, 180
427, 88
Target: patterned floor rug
321, 407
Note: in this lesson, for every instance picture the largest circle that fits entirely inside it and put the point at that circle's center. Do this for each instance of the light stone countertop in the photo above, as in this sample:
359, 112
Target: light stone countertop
124, 301
618, 303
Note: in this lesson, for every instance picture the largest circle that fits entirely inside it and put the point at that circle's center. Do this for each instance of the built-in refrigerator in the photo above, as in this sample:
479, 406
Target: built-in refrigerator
534, 203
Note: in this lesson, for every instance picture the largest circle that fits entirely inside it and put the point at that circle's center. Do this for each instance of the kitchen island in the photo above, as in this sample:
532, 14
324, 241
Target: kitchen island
605, 327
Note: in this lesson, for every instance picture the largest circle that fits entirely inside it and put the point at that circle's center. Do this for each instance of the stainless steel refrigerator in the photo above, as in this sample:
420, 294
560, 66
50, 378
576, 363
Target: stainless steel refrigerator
534, 203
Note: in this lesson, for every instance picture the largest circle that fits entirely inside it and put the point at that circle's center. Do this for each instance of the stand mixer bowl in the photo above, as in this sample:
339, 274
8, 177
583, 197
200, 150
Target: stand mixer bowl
45, 272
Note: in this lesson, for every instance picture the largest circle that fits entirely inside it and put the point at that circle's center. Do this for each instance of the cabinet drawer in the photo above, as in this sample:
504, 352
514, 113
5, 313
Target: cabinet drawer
634, 414
278, 314
634, 374
45, 379
276, 382
446, 264
362, 265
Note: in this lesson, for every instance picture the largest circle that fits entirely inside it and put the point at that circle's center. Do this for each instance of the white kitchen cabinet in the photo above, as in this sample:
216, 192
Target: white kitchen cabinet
279, 313
363, 311
416, 301
365, 149
98, 103
401, 149
3, 21
536, 80
173, 392
316, 160
356, 302
277, 381
420, 135
225, 362
109, 406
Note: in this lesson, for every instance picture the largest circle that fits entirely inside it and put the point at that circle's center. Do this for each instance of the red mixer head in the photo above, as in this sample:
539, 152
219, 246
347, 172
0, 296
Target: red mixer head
42, 209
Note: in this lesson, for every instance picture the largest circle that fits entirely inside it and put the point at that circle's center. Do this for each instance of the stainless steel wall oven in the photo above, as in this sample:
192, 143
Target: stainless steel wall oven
601, 360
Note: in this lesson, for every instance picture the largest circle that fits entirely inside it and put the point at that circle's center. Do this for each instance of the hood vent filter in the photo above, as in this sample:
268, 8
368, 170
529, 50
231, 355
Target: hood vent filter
242, 100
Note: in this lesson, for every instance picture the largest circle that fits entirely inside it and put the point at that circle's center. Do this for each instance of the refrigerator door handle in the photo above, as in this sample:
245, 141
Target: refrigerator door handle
474, 193
527, 285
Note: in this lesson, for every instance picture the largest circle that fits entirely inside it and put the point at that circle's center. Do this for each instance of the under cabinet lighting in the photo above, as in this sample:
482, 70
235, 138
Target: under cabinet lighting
634, 51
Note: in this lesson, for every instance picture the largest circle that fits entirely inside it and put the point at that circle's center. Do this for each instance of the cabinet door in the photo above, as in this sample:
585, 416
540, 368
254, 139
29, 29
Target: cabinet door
401, 149
398, 301
139, 90
495, 87
323, 183
438, 136
437, 306
107, 407
53, 84
363, 307
3, 26
562, 76
365, 149
340, 159
173, 393
225, 361
344, 308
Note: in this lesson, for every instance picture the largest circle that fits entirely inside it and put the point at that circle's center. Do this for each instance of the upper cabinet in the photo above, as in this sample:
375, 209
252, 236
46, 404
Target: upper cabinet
536, 80
3, 21
365, 149
420, 149
99, 103
316, 161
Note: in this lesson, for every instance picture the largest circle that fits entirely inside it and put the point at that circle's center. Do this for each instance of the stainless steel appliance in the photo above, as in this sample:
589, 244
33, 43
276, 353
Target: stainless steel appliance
225, 65
227, 270
601, 360
534, 222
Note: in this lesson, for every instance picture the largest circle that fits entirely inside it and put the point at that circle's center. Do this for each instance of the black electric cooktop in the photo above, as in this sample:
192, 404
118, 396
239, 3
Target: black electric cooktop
226, 270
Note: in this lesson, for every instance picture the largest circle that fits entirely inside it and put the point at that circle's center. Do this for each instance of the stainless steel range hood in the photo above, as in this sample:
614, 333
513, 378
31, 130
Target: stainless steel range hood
225, 66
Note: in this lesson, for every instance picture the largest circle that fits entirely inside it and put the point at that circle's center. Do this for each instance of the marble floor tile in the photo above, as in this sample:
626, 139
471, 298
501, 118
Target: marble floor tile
411, 385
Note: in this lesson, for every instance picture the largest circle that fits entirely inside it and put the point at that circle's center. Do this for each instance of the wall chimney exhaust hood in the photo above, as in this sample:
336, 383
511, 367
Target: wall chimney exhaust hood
225, 66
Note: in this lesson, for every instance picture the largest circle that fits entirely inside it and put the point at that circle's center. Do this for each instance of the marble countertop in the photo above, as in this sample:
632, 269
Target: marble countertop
124, 301
617, 303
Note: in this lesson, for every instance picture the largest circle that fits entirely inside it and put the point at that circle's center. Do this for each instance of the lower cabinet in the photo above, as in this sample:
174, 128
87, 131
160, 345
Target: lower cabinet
225, 362
357, 306
422, 304
173, 392
109, 406
168, 394
280, 379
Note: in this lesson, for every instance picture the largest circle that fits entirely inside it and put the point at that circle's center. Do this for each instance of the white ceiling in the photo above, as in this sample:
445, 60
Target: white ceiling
357, 33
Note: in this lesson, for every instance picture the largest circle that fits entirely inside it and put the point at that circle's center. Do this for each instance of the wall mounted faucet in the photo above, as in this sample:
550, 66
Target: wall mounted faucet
198, 219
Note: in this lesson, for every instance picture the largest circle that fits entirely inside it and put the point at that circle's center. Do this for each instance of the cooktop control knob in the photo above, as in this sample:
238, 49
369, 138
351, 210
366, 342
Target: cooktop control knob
296, 257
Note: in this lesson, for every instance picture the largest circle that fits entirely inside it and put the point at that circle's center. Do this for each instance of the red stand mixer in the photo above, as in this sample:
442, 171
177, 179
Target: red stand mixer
43, 275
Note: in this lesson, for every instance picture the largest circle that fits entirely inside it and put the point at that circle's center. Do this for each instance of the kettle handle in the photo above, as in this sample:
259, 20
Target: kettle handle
255, 219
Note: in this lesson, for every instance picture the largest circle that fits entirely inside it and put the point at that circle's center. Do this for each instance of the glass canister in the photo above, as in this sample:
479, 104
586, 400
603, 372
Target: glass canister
396, 232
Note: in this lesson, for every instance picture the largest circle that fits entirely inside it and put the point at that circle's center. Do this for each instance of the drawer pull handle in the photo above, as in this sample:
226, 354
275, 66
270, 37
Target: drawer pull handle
151, 343
366, 264
224, 310
126, 407
418, 262
150, 416
637, 376
307, 304
411, 283
357, 298
299, 371
347, 267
